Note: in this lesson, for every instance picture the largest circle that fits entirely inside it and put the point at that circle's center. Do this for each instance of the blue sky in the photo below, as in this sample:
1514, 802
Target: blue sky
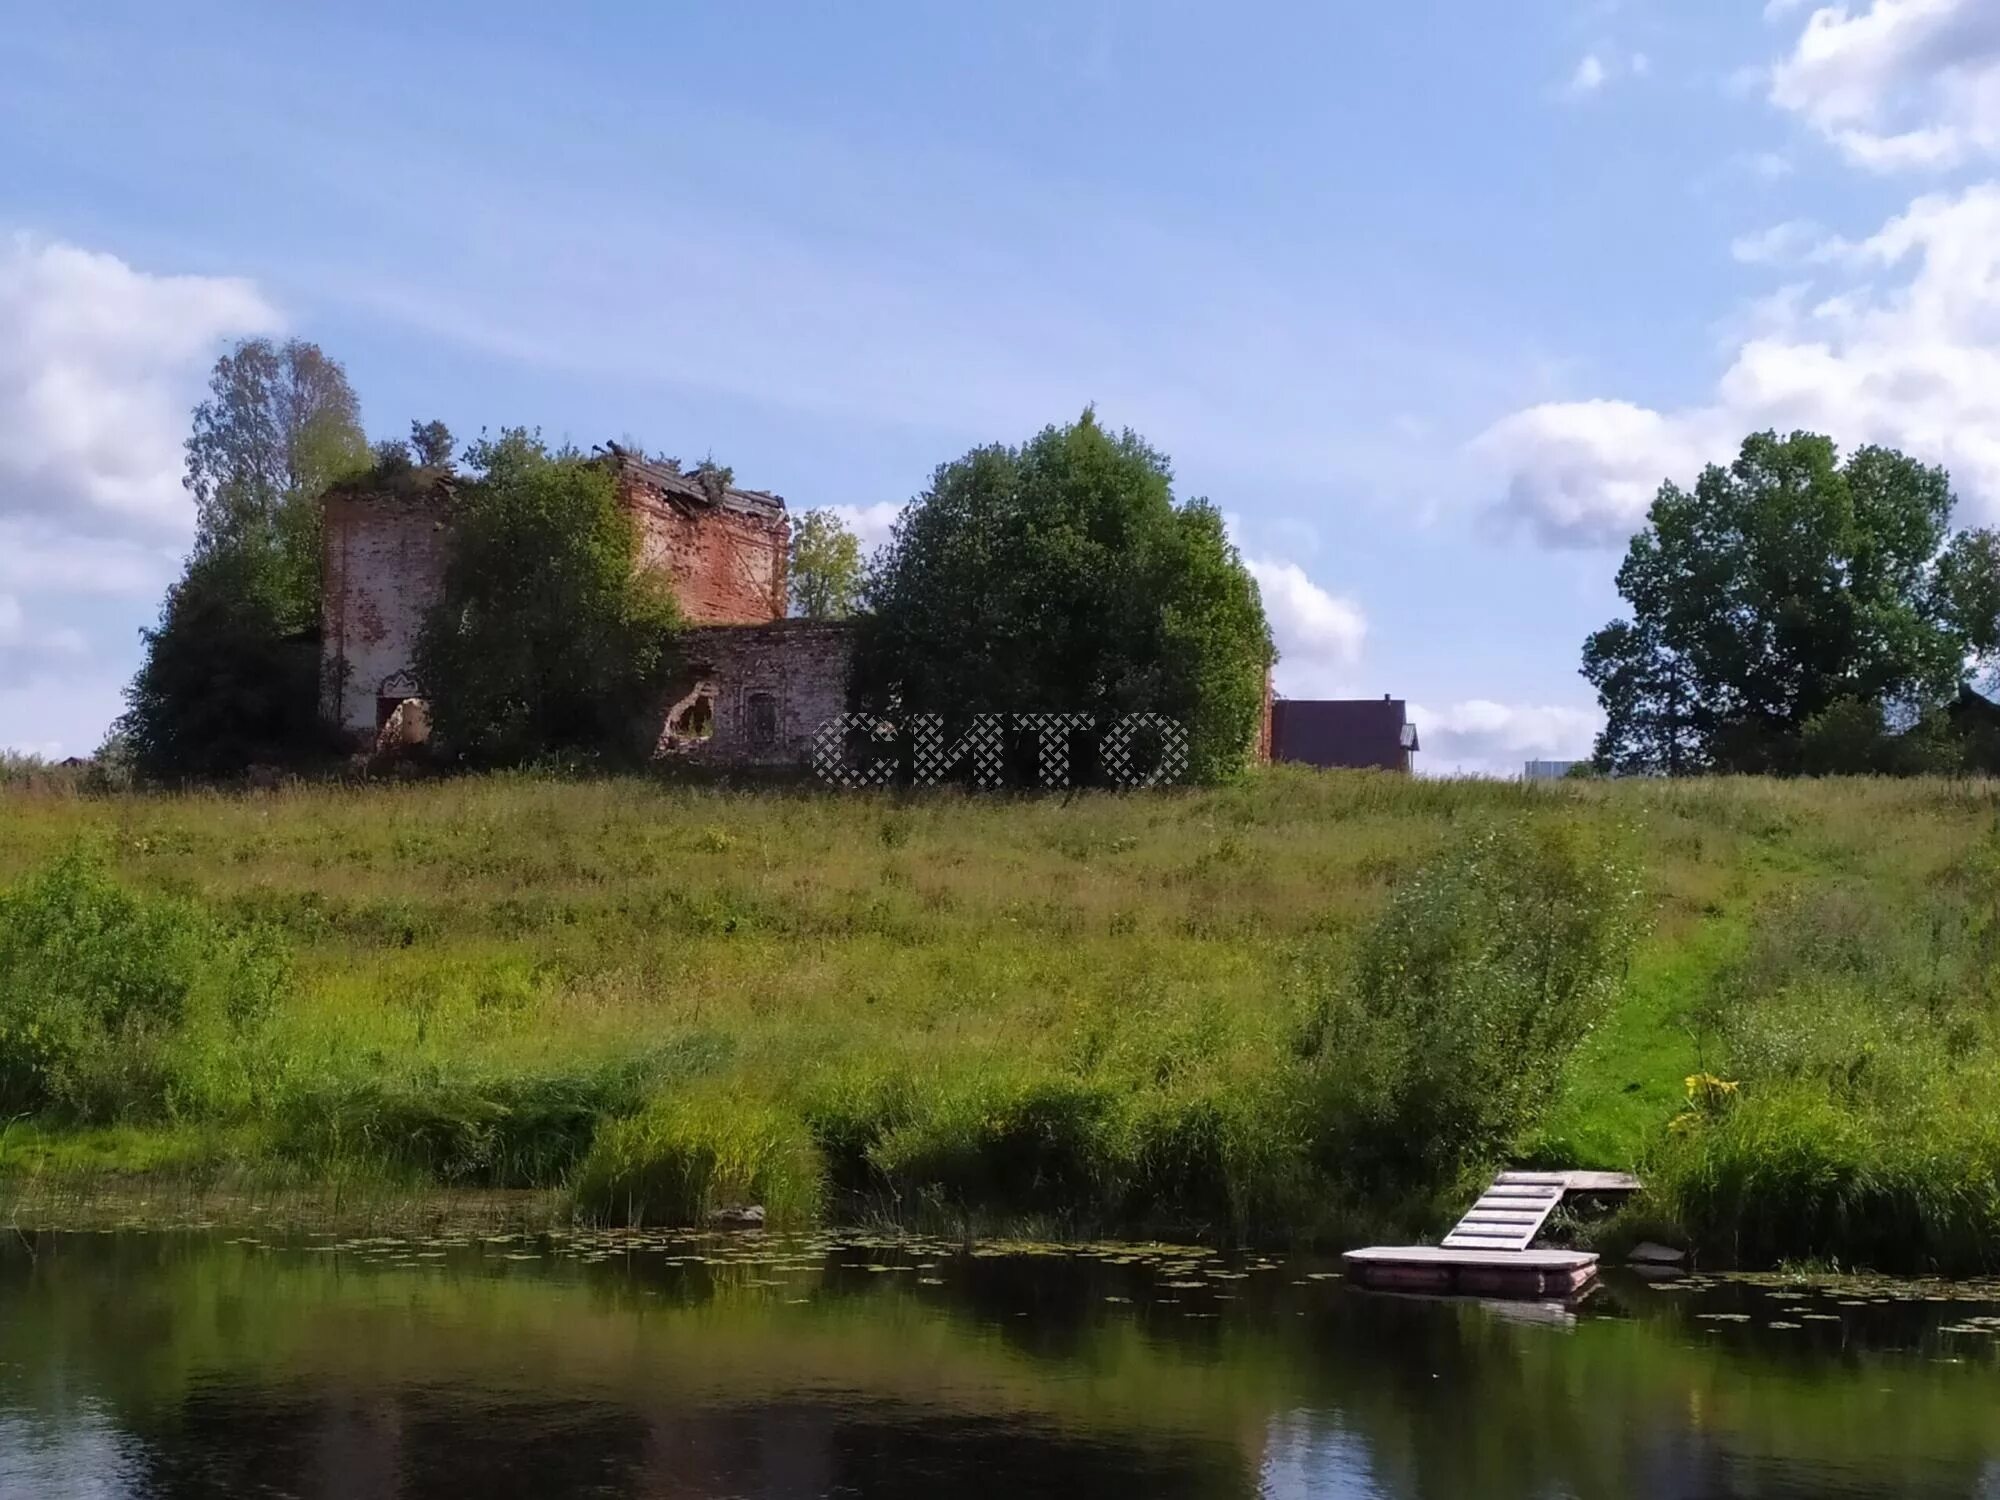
1427, 297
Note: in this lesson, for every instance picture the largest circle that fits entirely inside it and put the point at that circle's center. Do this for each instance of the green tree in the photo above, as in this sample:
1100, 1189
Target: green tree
1774, 590
430, 444
280, 424
1062, 576
223, 685
825, 567
545, 637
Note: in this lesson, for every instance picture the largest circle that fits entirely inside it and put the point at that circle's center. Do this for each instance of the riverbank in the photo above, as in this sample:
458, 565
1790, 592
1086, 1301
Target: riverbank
1106, 1014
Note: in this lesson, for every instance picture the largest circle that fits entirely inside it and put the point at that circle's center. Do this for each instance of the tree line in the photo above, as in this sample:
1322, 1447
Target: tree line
1058, 575
1797, 613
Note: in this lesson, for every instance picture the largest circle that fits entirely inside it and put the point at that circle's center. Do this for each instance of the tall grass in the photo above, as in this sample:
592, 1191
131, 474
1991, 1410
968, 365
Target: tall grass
1262, 1010
1860, 1116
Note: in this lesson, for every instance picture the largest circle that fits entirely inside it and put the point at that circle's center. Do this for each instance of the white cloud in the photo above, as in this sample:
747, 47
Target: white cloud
871, 524
1581, 473
99, 364
1590, 76
1914, 364
1319, 635
1780, 244
1903, 84
1482, 738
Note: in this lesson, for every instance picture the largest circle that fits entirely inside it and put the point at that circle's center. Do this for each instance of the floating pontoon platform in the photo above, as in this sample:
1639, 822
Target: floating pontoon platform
1487, 1252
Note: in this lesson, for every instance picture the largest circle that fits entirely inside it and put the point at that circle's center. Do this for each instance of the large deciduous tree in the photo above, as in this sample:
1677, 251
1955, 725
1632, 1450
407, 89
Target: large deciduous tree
1781, 588
229, 675
280, 424
1063, 577
825, 567
546, 638
223, 685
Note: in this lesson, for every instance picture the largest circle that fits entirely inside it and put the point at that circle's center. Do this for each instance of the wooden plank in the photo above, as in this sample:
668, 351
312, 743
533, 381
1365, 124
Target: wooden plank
1417, 1255
1601, 1182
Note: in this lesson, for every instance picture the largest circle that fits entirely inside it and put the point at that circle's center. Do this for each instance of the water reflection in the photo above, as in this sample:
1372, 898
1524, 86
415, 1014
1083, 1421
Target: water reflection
168, 1365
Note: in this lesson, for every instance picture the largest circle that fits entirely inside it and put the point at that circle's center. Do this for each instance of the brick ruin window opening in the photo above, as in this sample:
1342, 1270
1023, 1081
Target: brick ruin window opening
390, 695
763, 720
696, 721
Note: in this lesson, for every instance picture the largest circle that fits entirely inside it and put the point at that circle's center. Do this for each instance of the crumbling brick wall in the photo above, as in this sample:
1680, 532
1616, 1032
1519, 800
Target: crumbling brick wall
383, 565
768, 688
725, 553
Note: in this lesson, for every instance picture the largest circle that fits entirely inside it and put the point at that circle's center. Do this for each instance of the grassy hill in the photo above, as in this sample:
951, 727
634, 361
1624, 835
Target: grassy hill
1085, 1013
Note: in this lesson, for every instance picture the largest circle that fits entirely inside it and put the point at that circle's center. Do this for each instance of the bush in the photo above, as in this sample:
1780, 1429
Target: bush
1007, 1145
114, 1006
687, 1154
1467, 999
546, 638
1788, 1173
482, 1130
226, 684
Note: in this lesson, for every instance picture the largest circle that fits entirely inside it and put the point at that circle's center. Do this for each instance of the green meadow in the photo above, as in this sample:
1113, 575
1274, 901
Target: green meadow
1304, 1008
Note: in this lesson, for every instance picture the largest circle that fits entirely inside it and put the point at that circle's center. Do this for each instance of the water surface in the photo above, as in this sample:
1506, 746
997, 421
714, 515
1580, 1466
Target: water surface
258, 1364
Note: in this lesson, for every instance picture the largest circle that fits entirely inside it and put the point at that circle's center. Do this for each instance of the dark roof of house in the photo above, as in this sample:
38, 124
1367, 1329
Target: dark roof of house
687, 489
1973, 707
1342, 731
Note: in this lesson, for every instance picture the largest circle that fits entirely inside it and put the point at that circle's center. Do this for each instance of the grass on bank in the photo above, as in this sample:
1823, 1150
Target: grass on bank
1103, 1012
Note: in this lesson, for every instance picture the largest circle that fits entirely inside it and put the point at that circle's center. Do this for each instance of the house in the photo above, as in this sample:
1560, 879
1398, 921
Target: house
751, 679
1351, 733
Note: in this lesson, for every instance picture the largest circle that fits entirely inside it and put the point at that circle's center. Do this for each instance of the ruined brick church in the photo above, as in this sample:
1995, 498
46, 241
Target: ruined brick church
753, 685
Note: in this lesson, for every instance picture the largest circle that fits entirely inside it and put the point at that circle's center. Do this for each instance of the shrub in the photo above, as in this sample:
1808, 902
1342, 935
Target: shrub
687, 1154
1788, 1173
115, 1006
546, 638
482, 1130
1467, 998
1049, 1146
225, 683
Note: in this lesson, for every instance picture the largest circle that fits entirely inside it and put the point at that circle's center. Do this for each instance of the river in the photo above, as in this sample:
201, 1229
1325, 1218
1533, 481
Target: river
247, 1363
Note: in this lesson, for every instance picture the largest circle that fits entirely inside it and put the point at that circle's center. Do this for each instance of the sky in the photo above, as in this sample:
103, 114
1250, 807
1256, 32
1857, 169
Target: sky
1428, 298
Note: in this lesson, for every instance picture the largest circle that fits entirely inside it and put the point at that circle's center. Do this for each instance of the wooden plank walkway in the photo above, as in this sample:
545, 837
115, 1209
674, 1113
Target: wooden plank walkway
1509, 1214
1488, 1250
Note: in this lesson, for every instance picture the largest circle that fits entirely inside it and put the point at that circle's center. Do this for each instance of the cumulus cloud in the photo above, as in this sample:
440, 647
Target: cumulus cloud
1319, 634
1902, 84
1482, 738
1913, 363
871, 524
99, 364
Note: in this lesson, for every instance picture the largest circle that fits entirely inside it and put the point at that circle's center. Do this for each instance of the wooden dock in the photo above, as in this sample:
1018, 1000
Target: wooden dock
1488, 1251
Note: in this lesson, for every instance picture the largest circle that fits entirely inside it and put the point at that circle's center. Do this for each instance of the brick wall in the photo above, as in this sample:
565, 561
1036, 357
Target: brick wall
727, 564
384, 564
799, 669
